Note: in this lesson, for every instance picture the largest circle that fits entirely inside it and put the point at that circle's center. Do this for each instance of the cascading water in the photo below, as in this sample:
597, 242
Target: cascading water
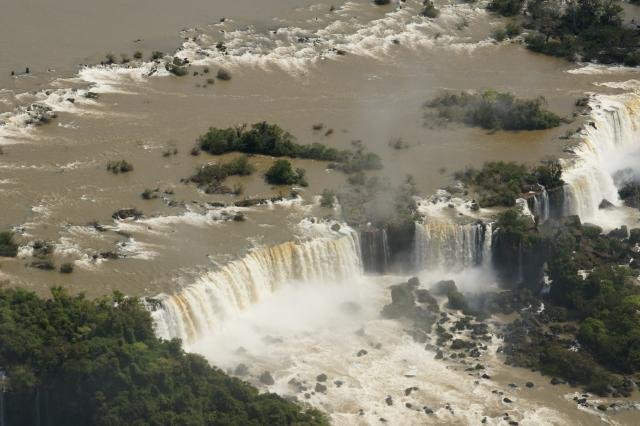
201, 308
376, 256
539, 205
443, 245
611, 143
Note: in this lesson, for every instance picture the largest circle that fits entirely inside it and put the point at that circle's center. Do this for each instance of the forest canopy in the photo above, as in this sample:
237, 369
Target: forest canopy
79, 362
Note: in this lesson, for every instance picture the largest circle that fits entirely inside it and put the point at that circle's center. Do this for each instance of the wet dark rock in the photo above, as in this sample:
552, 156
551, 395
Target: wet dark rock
321, 377
266, 378
620, 233
241, 370
127, 214
458, 344
110, 255
529, 384
335, 227
388, 400
606, 204
361, 352
555, 381
427, 410
250, 202
442, 288
338, 383
602, 407
320, 388
507, 400
485, 376
408, 391
439, 354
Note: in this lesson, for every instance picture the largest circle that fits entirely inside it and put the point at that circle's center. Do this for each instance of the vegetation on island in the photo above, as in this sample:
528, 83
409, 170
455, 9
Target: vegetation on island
492, 110
500, 183
579, 30
211, 177
73, 361
270, 139
8, 246
281, 172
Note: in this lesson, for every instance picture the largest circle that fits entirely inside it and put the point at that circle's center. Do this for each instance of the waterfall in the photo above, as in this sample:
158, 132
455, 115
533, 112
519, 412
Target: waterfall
611, 138
201, 308
376, 256
539, 204
452, 246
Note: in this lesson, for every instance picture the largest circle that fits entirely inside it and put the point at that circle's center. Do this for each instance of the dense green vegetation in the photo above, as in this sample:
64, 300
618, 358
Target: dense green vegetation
492, 110
282, 173
500, 183
585, 30
592, 300
269, 139
211, 177
71, 361
506, 7
8, 247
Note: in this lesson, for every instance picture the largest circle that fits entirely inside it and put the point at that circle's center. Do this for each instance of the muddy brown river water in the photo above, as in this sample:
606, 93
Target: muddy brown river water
362, 71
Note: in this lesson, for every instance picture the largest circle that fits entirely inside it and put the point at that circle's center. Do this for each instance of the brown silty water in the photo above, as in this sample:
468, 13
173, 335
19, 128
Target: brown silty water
362, 71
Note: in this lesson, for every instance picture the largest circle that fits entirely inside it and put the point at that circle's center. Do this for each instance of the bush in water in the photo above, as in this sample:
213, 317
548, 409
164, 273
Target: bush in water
282, 173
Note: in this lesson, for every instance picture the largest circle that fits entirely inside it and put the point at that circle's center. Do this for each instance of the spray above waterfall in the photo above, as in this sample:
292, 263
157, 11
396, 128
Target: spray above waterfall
610, 145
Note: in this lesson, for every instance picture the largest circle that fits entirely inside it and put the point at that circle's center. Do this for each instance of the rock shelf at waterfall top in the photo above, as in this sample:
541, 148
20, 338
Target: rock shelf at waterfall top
289, 212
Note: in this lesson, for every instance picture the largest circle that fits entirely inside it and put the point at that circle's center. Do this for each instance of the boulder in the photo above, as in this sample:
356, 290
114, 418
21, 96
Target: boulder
127, 214
266, 378
605, 204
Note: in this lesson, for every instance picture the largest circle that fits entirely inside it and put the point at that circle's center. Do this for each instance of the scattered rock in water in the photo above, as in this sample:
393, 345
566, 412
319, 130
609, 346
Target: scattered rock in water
427, 410
123, 214
529, 384
241, 370
605, 204
439, 354
555, 381
485, 376
266, 378
321, 377
408, 391
335, 227
602, 407
513, 385
338, 383
388, 400
361, 352
507, 400
320, 388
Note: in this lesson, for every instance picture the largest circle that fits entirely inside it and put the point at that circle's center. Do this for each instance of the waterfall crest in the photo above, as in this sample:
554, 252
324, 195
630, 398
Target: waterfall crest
201, 308
610, 139
445, 245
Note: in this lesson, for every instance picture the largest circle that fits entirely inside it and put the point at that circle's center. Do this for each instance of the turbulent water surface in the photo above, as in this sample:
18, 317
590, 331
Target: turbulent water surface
275, 291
